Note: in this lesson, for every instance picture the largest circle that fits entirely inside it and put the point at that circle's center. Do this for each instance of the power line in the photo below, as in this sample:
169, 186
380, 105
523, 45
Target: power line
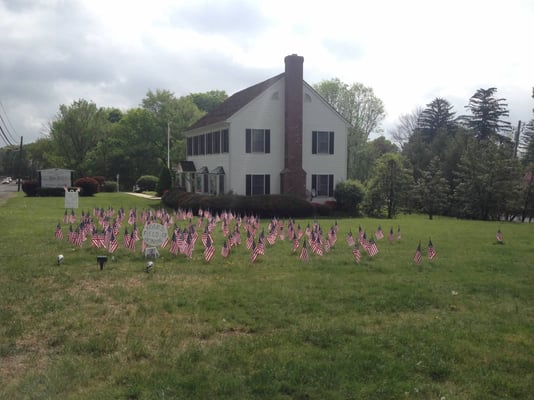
4, 137
5, 125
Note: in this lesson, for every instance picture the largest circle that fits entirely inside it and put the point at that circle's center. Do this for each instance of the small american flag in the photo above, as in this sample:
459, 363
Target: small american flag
225, 251
356, 253
499, 236
417, 257
350, 239
304, 256
379, 234
113, 243
371, 248
431, 250
209, 251
59, 232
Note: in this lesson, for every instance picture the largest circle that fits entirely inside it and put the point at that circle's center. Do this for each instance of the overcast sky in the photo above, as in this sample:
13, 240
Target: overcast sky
112, 52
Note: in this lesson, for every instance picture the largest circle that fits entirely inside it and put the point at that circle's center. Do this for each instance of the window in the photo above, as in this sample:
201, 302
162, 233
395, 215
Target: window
196, 141
216, 142
323, 185
258, 141
322, 142
258, 185
225, 146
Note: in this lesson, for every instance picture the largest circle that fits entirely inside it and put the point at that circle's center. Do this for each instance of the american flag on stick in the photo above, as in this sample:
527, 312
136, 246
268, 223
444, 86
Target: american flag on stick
256, 251
417, 257
225, 251
379, 234
304, 256
209, 251
499, 236
59, 232
371, 248
356, 253
431, 250
113, 243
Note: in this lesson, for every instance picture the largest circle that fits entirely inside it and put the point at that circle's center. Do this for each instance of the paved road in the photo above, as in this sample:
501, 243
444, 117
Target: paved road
7, 190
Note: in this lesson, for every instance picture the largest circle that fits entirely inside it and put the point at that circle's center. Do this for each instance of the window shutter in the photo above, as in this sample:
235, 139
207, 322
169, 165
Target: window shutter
248, 190
267, 184
248, 140
314, 183
330, 185
267, 140
189, 146
331, 143
314, 142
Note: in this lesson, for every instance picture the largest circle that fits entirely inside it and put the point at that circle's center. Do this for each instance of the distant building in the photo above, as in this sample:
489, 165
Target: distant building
276, 137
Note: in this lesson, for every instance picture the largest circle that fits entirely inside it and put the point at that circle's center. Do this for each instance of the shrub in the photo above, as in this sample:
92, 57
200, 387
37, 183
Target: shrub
266, 206
109, 186
147, 182
30, 188
88, 186
349, 195
50, 192
164, 181
100, 180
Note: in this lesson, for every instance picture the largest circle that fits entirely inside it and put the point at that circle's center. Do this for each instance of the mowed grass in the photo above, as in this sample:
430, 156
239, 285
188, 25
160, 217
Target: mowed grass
458, 327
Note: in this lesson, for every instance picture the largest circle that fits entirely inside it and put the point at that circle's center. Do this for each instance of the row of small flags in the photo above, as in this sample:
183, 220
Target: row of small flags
183, 241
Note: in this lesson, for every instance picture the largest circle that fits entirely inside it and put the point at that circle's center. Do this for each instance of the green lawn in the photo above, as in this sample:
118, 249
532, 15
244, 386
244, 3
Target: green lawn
458, 327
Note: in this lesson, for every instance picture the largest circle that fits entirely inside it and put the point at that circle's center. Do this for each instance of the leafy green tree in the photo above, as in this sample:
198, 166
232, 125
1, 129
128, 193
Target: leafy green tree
164, 181
365, 155
488, 179
389, 186
171, 115
75, 131
487, 113
432, 190
349, 194
360, 107
208, 101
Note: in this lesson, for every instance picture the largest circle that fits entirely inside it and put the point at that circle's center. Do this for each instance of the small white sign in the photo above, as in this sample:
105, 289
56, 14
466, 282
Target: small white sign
151, 252
71, 199
155, 234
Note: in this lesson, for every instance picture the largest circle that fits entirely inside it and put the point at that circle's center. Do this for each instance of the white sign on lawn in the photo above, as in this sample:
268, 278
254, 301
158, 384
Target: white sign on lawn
71, 199
155, 234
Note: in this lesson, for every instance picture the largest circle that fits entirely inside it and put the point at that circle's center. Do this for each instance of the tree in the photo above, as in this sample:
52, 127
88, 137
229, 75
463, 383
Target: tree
432, 190
164, 181
171, 115
487, 114
407, 124
208, 101
75, 131
487, 181
365, 155
360, 107
437, 115
389, 186
349, 194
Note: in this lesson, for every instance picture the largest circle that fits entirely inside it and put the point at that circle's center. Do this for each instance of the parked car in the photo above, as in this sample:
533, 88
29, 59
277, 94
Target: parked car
7, 180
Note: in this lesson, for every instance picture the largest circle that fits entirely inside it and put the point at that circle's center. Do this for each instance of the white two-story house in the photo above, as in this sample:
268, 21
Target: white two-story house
276, 137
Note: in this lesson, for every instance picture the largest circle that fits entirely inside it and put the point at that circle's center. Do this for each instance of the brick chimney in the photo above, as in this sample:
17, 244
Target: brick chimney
293, 177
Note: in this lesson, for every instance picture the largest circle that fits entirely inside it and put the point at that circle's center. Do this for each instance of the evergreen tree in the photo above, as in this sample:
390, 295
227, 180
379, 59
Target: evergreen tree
431, 191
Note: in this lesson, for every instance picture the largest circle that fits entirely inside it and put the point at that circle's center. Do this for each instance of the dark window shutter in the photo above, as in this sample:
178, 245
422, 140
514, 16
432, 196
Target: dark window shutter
314, 142
248, 140
330, 185
267, 184
331, 143
248, 190
314, 183
267, 140
189, 146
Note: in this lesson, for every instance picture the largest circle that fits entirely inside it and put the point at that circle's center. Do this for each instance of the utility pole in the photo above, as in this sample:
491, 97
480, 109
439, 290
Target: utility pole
19, 166
168, 145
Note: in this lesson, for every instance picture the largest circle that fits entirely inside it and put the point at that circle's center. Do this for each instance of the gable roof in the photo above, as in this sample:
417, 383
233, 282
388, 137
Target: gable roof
234, 103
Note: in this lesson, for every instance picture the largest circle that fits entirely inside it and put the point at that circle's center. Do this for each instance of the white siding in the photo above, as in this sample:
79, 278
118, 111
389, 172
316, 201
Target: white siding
319, 116
264, 112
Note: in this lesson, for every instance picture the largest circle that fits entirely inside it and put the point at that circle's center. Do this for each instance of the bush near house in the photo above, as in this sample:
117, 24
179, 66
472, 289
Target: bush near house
88, 186
266, 206
147, 183
109, 186
164, 181
349, 195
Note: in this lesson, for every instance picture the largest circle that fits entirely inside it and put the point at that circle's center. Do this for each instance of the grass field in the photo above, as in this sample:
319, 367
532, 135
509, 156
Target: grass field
458, 327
